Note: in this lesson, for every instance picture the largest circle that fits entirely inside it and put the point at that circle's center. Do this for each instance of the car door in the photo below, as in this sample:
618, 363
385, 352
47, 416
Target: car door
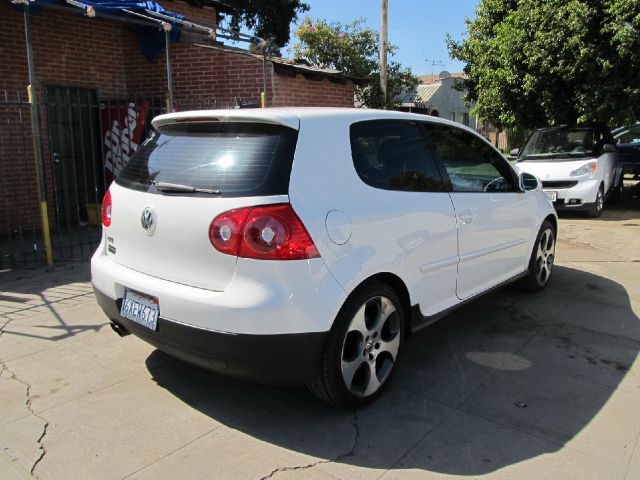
494, 217
415, 230
607, 161
628, 142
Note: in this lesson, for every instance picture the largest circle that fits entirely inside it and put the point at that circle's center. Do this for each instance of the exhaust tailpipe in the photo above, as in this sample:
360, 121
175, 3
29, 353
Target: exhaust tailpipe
119, 329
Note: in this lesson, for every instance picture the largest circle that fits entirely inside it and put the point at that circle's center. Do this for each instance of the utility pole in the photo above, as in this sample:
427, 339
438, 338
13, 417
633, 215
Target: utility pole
383, 51
35, 133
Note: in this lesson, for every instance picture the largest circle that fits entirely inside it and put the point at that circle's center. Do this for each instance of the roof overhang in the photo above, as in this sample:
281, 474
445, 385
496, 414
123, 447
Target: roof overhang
220, 5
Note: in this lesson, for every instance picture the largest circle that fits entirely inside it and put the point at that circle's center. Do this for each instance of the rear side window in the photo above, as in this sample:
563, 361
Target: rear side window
471, 164
237, 159
393, 155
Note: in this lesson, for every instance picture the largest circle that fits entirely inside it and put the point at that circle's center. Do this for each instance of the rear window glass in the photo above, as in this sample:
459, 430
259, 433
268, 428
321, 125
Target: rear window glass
237, 159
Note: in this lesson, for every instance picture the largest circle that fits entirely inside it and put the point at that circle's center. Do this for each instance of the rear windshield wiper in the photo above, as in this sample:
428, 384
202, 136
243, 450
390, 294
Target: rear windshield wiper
179, 188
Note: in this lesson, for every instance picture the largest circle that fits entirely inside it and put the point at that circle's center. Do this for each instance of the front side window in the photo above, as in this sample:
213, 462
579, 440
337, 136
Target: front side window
471, 164
393, 155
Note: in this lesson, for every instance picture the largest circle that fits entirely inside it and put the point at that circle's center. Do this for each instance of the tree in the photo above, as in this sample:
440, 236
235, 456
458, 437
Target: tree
354, 50
269, 19
533, 63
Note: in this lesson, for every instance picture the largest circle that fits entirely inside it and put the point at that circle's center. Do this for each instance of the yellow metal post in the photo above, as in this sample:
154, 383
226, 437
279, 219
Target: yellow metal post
44, 212
262, 105
46, 232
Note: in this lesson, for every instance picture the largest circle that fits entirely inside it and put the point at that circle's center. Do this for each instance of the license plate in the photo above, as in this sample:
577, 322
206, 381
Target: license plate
553, 196
140, 308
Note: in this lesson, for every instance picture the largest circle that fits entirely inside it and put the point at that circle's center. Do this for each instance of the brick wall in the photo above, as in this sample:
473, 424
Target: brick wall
217, 75
301, 91
202, 76
205, 16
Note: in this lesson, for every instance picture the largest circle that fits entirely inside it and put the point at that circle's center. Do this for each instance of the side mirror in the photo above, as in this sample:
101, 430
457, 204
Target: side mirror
609, 148
514, 152
528, 182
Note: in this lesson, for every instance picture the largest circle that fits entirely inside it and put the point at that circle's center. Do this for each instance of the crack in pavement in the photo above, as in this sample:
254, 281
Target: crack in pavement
342, 456
27, 386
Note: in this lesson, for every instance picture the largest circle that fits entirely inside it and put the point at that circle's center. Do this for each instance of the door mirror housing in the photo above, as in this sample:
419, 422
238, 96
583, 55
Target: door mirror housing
515, 152
609, 148
529, 182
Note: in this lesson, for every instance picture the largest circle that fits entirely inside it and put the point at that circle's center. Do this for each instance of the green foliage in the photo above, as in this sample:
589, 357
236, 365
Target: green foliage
354, 49
532, 63
270, 19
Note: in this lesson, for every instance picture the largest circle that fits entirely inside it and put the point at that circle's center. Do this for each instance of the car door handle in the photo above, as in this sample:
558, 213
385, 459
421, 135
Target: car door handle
467, 217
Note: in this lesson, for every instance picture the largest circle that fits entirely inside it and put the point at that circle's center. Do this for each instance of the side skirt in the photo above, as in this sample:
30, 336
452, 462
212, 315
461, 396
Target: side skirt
419, 321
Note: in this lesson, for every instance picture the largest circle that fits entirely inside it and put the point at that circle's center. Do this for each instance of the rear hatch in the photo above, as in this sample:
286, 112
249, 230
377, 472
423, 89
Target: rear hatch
189, 171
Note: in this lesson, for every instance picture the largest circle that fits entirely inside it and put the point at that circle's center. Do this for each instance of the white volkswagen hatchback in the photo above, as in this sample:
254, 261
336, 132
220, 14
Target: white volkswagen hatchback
303, 246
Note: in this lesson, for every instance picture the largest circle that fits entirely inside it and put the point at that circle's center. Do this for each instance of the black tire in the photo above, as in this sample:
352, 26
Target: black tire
536, 280
598, 205
346, 341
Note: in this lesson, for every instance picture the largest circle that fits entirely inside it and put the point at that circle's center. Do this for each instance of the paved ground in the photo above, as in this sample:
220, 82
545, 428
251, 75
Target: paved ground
512, 386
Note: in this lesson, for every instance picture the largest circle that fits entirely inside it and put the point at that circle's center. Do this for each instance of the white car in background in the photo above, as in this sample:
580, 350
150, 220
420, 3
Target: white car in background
577, 165
302, 246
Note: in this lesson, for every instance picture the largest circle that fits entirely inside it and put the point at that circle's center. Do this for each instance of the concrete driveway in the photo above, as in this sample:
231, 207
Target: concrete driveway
511, 386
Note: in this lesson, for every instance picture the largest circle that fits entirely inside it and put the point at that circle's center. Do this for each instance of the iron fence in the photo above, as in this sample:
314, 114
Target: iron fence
87, 140
20, 235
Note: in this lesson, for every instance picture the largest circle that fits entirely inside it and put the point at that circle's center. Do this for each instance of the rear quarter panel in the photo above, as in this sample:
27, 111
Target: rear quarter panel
390, 230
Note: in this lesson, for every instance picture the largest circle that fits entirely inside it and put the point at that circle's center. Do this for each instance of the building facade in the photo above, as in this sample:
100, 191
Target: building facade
439, 96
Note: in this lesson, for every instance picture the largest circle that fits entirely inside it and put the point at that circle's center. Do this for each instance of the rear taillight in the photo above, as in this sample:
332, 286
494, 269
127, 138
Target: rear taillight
106, 209
266, 232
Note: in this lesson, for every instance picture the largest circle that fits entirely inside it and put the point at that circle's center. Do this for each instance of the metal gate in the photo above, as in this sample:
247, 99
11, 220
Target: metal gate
86, 142
89, 141
74, 162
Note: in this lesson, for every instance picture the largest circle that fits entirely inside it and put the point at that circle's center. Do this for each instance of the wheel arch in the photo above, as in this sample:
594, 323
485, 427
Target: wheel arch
551, 218
398, 285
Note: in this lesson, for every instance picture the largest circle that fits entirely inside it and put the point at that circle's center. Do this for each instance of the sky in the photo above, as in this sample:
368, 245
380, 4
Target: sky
417, 27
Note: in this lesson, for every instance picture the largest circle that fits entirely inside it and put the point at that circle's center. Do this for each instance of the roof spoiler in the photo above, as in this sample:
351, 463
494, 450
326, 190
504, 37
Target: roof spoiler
286, 118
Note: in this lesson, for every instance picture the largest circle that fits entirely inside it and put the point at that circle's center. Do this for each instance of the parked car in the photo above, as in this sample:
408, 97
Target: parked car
302, 246
628, 141
577, 165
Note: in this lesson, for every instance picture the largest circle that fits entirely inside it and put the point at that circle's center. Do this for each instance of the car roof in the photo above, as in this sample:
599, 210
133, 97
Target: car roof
291, 116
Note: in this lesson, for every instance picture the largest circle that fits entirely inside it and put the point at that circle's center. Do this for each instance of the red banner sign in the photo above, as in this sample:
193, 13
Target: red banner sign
123, 129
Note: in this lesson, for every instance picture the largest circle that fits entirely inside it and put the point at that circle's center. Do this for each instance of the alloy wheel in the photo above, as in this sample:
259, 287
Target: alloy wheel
545, 256
370, 347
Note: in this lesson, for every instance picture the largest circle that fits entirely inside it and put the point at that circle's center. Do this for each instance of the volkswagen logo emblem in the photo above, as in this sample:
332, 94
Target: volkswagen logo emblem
148, 220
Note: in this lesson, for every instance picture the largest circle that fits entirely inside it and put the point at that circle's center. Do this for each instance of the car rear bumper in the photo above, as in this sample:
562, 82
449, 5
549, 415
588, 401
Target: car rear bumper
287, 359
264, 297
